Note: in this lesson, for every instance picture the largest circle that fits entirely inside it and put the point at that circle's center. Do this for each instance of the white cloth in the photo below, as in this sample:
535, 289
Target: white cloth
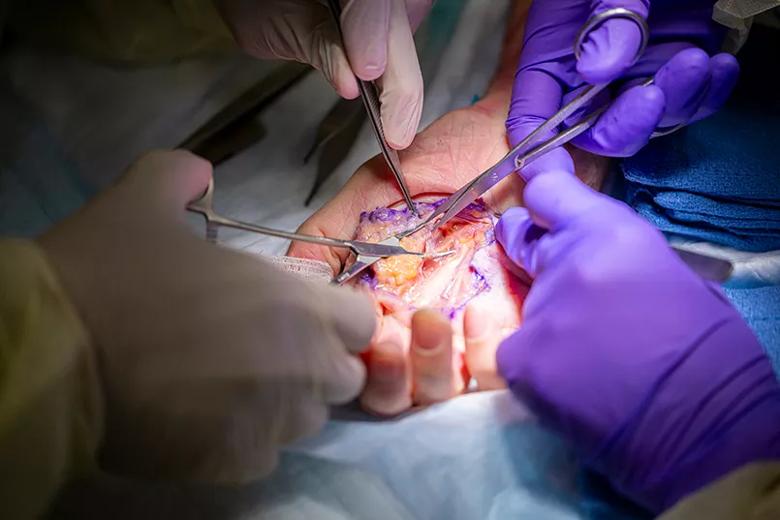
738, 16
750, 269
476, 456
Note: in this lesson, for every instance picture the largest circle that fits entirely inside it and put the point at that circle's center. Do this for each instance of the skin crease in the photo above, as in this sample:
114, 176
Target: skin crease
450, 152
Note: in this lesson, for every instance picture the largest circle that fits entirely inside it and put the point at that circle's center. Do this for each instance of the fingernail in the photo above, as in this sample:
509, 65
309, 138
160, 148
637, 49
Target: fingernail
427, 340
371, 70
365, 27
427, 332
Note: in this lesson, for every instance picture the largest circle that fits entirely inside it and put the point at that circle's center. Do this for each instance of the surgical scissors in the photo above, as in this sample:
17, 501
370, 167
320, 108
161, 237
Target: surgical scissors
367, 252
533, 146
370, 99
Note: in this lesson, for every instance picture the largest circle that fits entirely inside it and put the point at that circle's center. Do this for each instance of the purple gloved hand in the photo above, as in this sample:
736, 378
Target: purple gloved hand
647, 369
689, 84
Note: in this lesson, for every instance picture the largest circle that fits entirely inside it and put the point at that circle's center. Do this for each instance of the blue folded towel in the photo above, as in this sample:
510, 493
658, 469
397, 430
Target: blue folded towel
734, 154
744, 234
719, 179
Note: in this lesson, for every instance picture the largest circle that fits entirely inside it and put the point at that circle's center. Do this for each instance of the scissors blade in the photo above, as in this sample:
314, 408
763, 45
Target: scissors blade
361, 264
707, 267
517, 157
470, 192
388, 247
364, 259
476, 188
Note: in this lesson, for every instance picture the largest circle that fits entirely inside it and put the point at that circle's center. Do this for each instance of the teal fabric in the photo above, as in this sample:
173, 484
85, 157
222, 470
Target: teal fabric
38, 184
433, 36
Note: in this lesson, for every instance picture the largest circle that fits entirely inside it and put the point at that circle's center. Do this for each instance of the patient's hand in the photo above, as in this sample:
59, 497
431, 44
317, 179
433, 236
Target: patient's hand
471, 286
443, 157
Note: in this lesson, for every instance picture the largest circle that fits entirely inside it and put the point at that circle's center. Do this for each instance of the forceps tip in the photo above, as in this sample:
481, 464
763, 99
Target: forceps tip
412, 206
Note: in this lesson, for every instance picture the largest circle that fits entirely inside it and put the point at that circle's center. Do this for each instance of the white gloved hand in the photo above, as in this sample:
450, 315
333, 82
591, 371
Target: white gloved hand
210, 359
378, 36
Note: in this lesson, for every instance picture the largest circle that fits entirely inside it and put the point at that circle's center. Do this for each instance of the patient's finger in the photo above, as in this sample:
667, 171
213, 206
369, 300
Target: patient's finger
483, 334
388, 380
434, 375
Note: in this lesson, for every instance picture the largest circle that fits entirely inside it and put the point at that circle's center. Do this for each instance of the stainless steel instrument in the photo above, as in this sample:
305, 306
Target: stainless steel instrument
368, 94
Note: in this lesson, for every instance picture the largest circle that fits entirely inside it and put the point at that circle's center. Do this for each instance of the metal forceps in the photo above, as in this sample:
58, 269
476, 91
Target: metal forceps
533, 146
365, 251
370, 99
366, 259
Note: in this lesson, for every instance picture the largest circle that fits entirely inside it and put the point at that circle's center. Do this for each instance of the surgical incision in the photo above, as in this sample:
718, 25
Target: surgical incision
474, 272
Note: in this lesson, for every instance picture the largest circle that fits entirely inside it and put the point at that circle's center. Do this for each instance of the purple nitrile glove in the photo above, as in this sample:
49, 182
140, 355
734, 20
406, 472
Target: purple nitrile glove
646, 368
689, 84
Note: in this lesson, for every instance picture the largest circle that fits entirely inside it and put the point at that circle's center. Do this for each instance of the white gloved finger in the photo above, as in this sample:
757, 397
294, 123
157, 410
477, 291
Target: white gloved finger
327, 55
343, 375
299, 30
353, 316
323, 327
365, 24
169, 179
401, 85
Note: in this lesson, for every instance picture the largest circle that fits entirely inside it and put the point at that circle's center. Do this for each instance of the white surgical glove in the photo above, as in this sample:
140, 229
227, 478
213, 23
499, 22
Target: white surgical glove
209, 359
378, 40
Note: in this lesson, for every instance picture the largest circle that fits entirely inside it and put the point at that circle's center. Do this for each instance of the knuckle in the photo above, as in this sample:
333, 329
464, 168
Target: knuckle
624, 241
523, 122
291, 320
